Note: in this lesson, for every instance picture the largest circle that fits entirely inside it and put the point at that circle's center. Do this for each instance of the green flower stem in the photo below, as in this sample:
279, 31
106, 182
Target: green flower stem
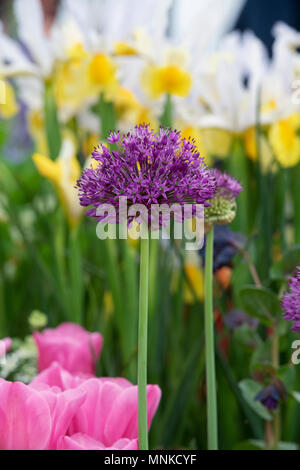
154, 257
275, 364
212, 425
295, 175
238, 168
142, 346
167, 116
76, 275
51, 122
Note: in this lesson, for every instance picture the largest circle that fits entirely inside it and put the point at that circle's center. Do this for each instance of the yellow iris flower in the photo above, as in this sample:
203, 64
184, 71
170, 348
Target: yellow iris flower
171, 79
8, 104
266, 154
123, 48
63, 174
285, 141
102, 71
81, 78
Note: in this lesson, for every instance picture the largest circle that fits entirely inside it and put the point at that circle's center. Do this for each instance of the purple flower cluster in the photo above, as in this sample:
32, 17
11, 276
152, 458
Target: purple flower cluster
291, 302
228, 187
146, 168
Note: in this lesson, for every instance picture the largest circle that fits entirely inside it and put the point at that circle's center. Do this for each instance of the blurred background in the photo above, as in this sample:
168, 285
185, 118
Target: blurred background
225, 73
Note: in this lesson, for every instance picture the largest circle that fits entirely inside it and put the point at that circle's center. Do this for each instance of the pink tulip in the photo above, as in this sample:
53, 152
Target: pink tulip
83, 442
109, 412
57, 376
75, 349
33, 419
5, 345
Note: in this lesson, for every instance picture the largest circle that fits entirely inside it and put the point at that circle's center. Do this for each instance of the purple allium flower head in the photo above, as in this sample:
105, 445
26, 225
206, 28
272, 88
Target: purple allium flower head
147, 168
228, 187
291, 302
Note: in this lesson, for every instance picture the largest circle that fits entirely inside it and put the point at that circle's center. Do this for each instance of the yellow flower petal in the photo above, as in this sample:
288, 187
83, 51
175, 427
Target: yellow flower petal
47, 167
102, 70
285, 143
8, 105
123, 48
171, 79
217, 142
196, 280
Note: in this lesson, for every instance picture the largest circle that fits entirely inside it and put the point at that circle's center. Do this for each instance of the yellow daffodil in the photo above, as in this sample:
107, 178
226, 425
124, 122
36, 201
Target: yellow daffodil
63, 174
285, 141
8, 104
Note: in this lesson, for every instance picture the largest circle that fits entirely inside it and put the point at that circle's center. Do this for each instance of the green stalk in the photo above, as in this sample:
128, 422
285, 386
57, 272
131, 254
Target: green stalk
295, 175
238, 167
76, 276
131, 284
166, 118
142, 346
154, 250
51, 122
275, 364
212, 425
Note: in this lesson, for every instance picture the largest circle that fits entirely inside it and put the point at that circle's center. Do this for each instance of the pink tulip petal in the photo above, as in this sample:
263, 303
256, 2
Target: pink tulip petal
91, 417
55, 375
123, 419
81, 441
25, 419
109, 412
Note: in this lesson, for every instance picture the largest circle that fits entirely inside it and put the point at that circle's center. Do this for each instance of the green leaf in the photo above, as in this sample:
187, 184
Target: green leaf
296, 395
253, 444
287, 375
260, 303
281, 269
250, 389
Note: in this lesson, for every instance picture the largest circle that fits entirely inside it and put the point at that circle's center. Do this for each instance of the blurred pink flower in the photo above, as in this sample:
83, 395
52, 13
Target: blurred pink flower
35, 419
5, 345
109, 412
83, 442
74, 348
